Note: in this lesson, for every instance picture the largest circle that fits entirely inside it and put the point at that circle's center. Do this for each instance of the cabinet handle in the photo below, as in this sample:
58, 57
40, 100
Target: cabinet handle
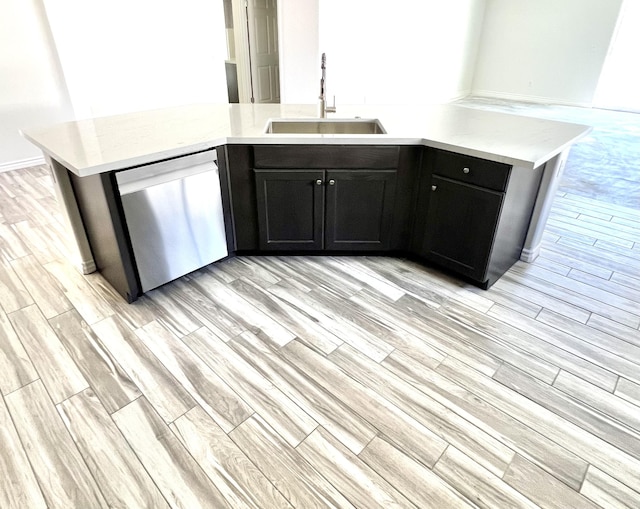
332, 182
318, 182
433, 188
465, 170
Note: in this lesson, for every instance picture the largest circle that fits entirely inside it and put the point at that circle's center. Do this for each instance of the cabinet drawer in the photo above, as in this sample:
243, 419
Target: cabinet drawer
325, 156
471, 170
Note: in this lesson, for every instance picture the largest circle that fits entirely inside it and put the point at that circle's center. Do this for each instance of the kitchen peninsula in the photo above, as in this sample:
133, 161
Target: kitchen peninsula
464, 189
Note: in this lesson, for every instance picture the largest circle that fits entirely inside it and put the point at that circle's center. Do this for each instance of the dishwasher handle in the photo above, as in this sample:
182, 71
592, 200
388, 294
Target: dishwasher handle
137, 179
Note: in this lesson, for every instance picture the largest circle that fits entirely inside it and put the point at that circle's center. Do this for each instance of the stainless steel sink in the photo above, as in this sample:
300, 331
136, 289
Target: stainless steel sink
324, 126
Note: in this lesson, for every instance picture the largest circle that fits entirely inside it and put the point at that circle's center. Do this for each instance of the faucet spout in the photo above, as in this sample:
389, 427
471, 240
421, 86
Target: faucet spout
322, 106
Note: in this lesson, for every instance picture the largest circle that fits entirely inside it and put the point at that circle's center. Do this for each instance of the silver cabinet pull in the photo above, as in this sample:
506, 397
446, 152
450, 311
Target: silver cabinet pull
433, 188
332, 182
318, 182
465, 170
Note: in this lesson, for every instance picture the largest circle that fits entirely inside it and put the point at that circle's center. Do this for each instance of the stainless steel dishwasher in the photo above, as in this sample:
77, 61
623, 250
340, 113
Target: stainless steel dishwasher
173, 211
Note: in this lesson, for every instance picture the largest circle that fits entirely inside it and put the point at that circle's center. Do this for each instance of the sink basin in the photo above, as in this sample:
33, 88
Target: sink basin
324, 126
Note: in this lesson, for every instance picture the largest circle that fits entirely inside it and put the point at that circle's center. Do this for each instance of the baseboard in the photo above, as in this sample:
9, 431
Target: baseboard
528, 255
23, 163
527, 98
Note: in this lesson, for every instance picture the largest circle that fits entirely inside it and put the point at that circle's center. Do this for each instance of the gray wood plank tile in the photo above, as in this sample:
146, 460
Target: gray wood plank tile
239, 480
632, 294
510, 284
578, 294
89, 304
571, 343
165, 393
529, 342
11, 245
302, 325
419, 484
285, 467
607, 492
122, 479
135, 314
616, 329
236, 268
442, 421
358, 269
327, 318
206, 310
595, 255
561, 404
415, 341
275, 266
58, 466
372, 335
287, 418
42, 286
541, 487
201, 382
56, 368
19, 485
249, 316
13, 294
312, 268
97, 364
333, 414
39, 240
16, 368
603, 401
565, 433
492, 419
174, 471
172, 314
573, 263
405, 431
473, 346
626, 389
357, 481
476, 483
596, 337
501, 296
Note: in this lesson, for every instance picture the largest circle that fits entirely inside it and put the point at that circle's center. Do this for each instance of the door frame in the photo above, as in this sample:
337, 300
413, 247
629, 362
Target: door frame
243, 52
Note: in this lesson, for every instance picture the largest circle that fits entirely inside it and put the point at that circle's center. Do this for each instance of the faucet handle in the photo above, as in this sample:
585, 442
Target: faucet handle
331, 109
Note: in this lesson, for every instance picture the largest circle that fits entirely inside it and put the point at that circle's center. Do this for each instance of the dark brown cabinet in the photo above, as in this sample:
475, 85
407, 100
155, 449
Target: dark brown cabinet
340, 210
461, 223
476, 214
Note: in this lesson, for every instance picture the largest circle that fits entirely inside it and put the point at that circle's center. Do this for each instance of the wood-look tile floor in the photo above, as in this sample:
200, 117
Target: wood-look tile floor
321, 382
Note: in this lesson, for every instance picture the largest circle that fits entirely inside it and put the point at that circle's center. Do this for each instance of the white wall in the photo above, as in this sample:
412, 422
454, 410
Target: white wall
544, 50
32, 90
299, 50
413, 51
619, 83
122, 55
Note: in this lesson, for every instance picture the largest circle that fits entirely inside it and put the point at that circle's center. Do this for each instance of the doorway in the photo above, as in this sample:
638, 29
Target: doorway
620, 78
253, 67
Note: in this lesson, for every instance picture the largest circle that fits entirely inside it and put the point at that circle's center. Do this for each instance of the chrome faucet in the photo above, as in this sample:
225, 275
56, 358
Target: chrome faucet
322, 106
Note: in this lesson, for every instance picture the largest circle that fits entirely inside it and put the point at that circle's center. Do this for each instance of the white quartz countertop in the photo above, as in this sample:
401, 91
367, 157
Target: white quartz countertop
96, 145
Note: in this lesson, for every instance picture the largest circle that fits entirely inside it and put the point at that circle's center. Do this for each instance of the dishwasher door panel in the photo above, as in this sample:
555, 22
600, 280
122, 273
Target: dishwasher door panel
175, 227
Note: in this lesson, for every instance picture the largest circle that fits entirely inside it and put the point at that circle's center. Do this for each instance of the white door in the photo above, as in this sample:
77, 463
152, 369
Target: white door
263, 50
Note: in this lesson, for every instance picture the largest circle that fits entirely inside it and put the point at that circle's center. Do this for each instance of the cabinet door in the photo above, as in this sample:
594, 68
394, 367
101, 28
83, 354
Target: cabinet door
359, 209
461, 225
290, 209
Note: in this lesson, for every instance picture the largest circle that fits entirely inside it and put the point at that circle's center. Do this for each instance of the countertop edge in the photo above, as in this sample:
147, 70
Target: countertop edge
302, 140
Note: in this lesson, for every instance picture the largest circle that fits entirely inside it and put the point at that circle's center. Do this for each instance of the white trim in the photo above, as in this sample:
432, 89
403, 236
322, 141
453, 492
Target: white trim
22, 163
527, 98
530, 254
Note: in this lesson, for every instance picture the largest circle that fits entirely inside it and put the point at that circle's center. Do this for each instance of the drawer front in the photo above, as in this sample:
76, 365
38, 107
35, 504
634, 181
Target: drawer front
325, 156
471, 170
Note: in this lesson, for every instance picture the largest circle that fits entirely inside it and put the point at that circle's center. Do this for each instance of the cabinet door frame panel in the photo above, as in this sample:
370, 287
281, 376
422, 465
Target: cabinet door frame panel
265, 221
